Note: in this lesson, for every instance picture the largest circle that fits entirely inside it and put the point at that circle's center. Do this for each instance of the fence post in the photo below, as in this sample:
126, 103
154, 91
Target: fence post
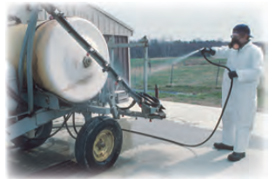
145, 81
171, 75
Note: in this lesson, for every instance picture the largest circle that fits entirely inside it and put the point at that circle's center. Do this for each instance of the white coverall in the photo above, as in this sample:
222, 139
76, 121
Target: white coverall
240, 112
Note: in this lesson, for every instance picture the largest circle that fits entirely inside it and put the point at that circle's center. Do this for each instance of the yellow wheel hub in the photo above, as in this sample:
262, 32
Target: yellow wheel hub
103, 145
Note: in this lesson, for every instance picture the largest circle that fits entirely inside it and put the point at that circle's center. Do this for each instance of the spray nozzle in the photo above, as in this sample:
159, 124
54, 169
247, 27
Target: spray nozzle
207, 50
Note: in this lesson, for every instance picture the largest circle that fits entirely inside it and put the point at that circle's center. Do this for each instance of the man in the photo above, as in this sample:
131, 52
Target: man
245, 61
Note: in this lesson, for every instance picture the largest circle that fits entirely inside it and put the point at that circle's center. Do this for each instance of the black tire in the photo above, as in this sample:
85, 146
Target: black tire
41, 135
86, 146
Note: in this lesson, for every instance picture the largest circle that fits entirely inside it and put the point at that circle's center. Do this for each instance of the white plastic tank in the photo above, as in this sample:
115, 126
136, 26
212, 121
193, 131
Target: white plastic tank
60, 65
12, 84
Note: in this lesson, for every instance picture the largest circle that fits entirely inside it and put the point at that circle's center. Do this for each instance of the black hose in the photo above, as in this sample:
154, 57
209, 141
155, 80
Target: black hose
74, 124
66, 118
144, 98
70, 133
128, 107
214, 130
215, 64
150, 100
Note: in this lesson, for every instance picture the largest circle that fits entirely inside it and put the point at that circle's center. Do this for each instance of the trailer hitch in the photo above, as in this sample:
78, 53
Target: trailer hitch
150, 106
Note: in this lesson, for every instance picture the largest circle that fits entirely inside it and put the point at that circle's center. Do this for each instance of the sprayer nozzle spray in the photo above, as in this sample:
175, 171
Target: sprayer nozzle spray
207, 50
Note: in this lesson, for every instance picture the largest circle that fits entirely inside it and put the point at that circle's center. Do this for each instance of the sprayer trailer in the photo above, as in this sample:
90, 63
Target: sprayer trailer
57, 68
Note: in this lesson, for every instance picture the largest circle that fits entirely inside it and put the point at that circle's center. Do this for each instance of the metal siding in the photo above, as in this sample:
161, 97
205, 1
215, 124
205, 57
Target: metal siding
98, 22
106, 24
121, 55
112, 28
117, 29
96, 19
129, 64
42, 15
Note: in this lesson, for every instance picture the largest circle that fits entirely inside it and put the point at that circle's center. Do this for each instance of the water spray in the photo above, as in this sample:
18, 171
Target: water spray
184, 57
174, 61
179, 59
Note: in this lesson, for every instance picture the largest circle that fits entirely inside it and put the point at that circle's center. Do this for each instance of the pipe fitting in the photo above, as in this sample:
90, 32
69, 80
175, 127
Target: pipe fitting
87, 61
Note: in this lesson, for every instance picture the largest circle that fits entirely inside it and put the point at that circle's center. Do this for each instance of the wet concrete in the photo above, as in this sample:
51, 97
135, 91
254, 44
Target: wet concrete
146, 157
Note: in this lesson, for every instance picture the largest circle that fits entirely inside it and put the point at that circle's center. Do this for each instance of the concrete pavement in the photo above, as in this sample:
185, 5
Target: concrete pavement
146, 157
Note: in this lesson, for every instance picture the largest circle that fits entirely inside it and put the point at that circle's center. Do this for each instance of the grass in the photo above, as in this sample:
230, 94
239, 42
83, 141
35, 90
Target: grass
194, 81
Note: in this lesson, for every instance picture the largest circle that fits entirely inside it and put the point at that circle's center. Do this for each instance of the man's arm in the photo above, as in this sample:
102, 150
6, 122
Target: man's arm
221, 52
255, 71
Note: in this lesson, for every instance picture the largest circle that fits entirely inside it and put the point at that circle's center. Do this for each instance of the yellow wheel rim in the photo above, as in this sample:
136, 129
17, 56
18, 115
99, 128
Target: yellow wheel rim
103, 145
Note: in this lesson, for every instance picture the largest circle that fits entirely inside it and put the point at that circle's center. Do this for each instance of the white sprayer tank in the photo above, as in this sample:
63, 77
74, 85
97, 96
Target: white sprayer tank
60, 65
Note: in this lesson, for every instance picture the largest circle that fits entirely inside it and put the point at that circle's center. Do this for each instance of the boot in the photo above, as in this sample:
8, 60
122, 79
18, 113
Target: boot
235, 156
221, 146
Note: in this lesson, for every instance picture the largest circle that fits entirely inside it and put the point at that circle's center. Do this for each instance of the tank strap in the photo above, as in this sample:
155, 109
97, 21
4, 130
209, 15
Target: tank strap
43, 23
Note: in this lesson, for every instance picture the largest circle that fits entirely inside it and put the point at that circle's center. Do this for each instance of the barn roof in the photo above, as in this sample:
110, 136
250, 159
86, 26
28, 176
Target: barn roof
107, 23
112, 17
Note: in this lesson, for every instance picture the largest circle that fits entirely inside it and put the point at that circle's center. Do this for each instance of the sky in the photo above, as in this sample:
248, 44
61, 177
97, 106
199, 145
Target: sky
189, 20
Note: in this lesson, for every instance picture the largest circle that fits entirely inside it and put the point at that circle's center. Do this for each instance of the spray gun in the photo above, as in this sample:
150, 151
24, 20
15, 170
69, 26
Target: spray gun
207, 50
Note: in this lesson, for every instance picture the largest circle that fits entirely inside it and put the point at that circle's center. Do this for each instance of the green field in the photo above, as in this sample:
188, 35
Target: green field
193, 81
